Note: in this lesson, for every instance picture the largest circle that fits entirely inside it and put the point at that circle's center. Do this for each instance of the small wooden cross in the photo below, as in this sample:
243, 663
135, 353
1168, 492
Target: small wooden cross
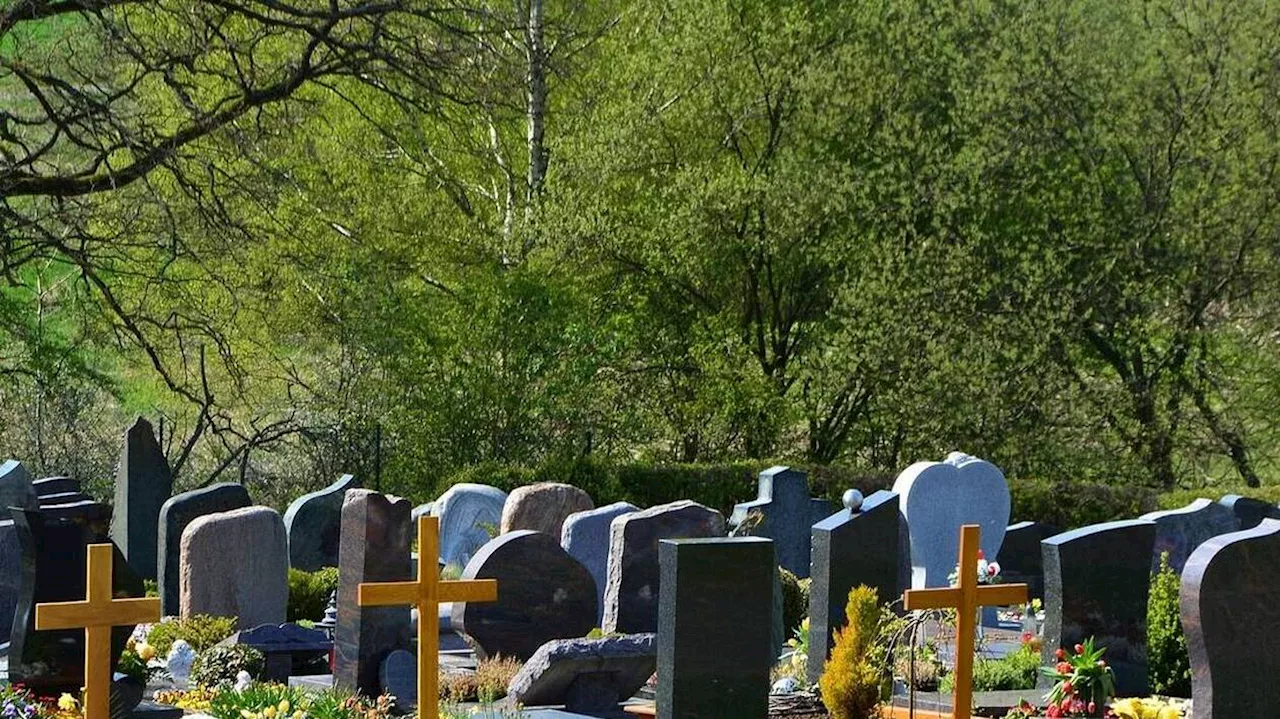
965, 599
97, 614
425, 594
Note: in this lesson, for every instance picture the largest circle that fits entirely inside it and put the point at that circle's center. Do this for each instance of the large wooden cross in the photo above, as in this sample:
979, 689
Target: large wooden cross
425, 594
965, 599
97, 614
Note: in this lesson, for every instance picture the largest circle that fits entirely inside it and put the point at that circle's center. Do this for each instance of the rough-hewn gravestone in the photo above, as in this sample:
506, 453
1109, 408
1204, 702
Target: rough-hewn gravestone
175, 514
1180, 531
1230, 604
376, 536
53, 562
631, 591
1096, 581
937, 498
543, 507
470, 515
585, 537
10, 573
1022, 558
543, 594
714, 653
143, 483
783, 512
16, 489
314, 525
850, 548
235, 564
585, 675
1249, 512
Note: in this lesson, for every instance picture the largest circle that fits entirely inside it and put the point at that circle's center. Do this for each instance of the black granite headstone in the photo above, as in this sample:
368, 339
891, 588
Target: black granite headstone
714, 614
16, 488
314, 525
1230, 604
376, 537
53, 570
50, 486
1180, 531
1021, 558
175, 514
143, 483
849, 549
1096, 581
784, 512
10, 573
1249, 512
279, 643
543, 594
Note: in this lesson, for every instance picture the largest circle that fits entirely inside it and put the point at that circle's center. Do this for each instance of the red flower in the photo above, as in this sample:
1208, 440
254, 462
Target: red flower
1066, 687
1053, 712
1064, 668
1060, 654
1079, 649
982, 554
1093, 708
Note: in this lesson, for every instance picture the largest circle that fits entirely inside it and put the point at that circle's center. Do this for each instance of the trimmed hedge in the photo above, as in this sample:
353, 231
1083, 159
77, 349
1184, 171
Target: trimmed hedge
1183, 497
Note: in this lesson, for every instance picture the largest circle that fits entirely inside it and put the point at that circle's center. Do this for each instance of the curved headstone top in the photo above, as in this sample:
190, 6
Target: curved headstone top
1249, 511
313, 523
16, 489
585, 536
1180, 531
543, 507
937, 498
468, 514
175, 514
1230, 607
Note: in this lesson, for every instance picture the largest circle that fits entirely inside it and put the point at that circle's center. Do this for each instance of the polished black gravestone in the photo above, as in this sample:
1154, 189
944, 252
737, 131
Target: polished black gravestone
376, 538
850, 548
1249, 512
16, 488
714, 616
585, 675
1180, 531
1021, 558
53, 570
543, 594
143, 483
175, 514
314, 525
54, 486
280, 644
1096, 581
1230, 606
784, 512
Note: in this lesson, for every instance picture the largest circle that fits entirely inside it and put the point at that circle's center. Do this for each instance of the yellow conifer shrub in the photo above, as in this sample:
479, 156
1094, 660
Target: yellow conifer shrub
850, 682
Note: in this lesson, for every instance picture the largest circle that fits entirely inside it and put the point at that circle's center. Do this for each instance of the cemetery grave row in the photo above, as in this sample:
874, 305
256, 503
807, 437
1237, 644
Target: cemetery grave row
593, 610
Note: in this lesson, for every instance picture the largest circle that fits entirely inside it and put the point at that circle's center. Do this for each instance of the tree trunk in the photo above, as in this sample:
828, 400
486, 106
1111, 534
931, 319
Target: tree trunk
535, 108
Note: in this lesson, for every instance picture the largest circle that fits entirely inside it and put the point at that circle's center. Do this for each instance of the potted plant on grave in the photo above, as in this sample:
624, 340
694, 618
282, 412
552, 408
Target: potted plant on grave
1083, 683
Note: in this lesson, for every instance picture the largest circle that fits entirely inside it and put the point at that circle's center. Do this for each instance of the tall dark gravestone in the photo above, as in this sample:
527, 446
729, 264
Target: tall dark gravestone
1180, 531
857, 545
1230, 604
783, 512
1249, 512
16, 489
1096, 581
313, 523
10, 573
143, 483
376, 538
714, 624
1021, 558
175, 514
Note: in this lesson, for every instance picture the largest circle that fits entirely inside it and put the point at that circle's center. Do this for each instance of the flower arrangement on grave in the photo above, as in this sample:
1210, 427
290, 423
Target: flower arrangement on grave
1083, 682
276, 701
1149, 708
988, 572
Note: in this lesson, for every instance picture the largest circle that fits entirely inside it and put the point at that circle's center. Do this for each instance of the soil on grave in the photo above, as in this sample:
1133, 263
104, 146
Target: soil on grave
800, 705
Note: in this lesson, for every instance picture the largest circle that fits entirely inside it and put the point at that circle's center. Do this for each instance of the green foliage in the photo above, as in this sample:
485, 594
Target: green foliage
1082, 674
150, 588
1018, 670
487, 684
309, 593
1169, 666
278, 701
1182, 497
200, 631
217, 666
795, 601
851, 678
1068, 505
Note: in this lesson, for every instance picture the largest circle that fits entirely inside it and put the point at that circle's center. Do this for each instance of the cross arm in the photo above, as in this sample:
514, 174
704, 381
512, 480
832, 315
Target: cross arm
387, 594
914, 599
1001, 595
75, 615
474, 590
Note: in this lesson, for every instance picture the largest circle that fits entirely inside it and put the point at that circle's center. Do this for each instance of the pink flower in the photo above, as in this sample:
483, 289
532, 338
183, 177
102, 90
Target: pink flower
1053, 712
993, 569
982, 554
1093, 708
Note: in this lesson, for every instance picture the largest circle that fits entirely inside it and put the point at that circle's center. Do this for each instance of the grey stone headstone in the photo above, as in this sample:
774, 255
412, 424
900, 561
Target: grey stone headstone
235, 564
1230, 607
399, 678
1249, 511
783, 512
50, 486
143, 483
314, 525
543, 507
468, 513
1096, 581
376, 537
586, 538
175, 514
631, 592
543, 594
714, 654
1180, 531
937, 498
16, 489
849, 549
1021, 557
585, 675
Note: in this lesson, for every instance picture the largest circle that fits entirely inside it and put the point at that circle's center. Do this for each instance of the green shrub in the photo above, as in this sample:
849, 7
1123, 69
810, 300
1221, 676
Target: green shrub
1016, 671
309, 593
220, 665
1182, 497
1168, 663
851, 679
795, 601
200, 631
1035, 500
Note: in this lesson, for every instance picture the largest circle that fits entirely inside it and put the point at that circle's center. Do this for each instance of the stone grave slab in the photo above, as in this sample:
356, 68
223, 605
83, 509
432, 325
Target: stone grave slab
784, 512
585, 537
1249, 512
279, 643
16, 489
543, 594
585, 675
313, 523
175, 514
936, 499
1180, 531
468, 514
631, 592
235, 564
543, 507
143, 483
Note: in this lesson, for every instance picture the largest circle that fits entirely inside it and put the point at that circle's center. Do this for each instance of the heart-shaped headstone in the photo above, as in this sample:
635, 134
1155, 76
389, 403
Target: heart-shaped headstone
937, 499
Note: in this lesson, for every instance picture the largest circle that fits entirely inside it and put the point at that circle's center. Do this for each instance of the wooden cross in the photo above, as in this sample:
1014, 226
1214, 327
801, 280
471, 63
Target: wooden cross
425, 594
965, 599
97, 614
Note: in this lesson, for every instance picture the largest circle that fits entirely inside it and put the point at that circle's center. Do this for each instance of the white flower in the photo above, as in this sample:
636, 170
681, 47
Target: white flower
243, 680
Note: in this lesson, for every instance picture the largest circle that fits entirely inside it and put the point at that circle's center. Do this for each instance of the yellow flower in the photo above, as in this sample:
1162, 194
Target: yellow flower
67, 703
146, 652
805, 624
246, 714
298, 714
1169, 713
269, 713
284, 706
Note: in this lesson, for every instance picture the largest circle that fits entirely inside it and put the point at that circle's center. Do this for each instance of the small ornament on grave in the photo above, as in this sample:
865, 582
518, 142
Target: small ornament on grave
852, 500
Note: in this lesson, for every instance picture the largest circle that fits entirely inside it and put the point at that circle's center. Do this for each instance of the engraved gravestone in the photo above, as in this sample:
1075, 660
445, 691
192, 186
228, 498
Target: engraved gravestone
313, 523
175, 514
783, 512
1180, 531
586, 538
143, 483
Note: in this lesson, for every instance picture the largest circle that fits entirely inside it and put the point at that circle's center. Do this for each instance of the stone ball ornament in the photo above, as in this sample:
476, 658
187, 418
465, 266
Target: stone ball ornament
852, 499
